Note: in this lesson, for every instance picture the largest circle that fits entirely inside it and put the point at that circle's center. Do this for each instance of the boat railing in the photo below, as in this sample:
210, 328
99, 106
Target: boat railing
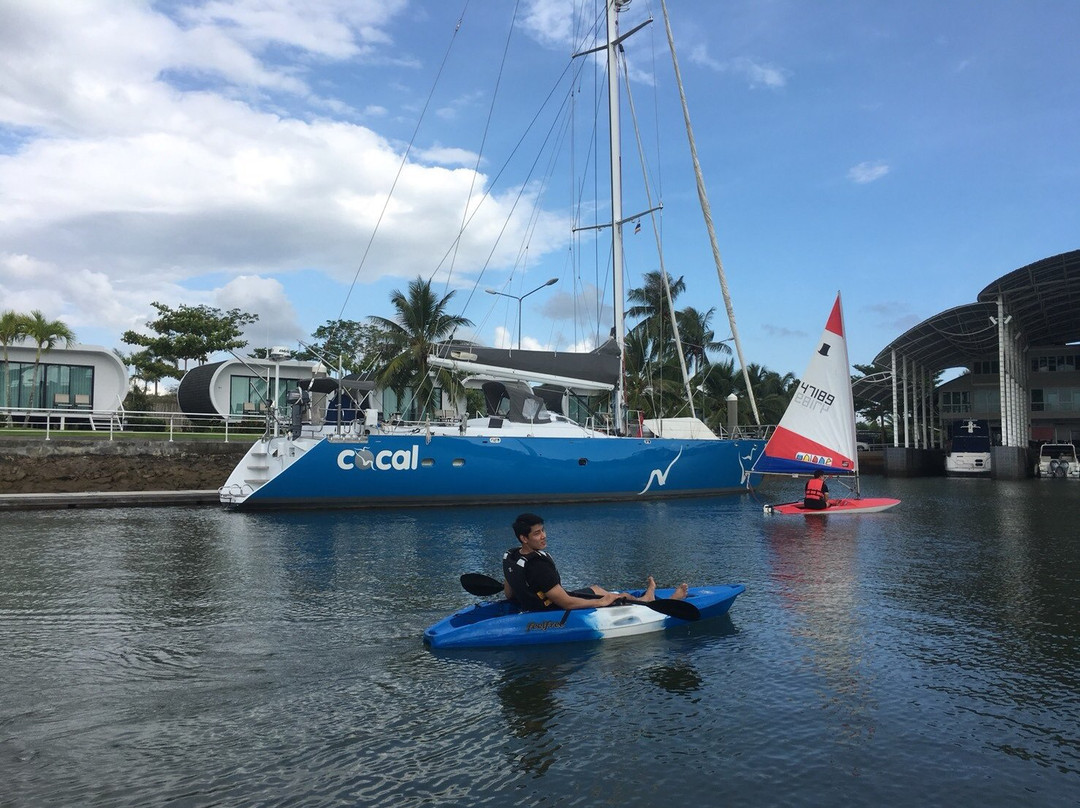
49, 423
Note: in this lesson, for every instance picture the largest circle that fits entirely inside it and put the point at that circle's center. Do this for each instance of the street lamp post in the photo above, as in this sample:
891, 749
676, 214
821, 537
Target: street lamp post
519, 299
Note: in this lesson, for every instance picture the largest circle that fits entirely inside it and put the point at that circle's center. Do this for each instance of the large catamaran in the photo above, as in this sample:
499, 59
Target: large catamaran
523, 450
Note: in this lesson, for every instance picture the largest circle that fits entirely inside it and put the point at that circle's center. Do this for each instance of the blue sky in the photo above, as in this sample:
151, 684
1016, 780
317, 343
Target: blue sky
239, 153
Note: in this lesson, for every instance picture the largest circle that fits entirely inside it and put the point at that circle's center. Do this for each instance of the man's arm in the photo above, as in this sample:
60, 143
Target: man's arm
564, 600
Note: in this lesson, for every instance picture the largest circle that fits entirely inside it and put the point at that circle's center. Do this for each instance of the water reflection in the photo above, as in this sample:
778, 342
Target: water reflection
531, 709
814, 564
680, 677
531, 684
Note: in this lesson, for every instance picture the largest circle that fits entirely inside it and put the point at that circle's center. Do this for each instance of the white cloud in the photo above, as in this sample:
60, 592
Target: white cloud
504, 337
82, 298
142, 163
757, 74
868, 171
550, 22
266, 297
446, 156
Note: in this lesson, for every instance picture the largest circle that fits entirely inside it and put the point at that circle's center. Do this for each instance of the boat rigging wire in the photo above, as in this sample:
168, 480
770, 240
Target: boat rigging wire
479, 155
402, 164
707, 213
652, 211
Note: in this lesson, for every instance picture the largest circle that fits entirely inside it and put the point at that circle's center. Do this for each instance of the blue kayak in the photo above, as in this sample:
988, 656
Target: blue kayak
502, 623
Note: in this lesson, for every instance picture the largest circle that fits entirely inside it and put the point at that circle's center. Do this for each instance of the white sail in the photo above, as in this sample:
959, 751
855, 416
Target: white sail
818, 428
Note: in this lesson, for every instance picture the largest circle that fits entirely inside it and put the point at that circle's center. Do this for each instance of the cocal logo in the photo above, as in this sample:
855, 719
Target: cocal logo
386, 460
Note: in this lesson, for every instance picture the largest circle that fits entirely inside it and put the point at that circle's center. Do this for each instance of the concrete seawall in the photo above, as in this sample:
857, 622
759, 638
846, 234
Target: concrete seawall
37, 466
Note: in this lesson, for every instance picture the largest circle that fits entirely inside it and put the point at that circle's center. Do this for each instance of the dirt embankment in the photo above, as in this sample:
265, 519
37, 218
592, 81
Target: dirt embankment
61, 467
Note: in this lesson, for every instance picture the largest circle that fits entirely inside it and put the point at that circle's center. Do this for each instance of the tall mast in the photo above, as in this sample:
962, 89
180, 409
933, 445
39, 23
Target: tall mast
615, 150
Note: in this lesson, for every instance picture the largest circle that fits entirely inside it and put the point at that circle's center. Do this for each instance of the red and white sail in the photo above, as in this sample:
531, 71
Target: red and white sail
818, 428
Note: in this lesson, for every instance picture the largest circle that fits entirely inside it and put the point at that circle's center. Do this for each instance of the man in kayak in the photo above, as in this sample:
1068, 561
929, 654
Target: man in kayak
532, 580
816, 495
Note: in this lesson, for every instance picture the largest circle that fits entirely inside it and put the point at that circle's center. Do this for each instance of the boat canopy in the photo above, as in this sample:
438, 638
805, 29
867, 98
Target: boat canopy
516, 402
582, 373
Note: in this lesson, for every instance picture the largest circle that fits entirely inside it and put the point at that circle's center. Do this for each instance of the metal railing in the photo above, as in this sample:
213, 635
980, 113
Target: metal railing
91, 424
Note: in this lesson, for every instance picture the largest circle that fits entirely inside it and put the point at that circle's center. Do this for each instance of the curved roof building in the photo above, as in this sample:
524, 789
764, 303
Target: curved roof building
1023, 325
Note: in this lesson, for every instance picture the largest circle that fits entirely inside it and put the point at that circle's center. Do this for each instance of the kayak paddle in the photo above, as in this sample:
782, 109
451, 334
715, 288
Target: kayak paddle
482, 585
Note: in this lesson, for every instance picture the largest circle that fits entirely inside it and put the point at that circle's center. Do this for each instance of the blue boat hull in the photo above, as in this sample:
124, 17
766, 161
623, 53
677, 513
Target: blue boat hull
399, 470
488, 625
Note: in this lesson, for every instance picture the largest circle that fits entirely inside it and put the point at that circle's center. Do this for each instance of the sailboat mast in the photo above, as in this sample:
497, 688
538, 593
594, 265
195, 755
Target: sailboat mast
615, 150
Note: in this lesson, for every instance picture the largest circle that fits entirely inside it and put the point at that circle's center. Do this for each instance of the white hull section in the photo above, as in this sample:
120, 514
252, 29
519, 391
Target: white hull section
968, 464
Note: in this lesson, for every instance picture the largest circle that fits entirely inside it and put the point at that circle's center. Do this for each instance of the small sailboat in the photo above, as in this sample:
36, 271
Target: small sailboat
817, 432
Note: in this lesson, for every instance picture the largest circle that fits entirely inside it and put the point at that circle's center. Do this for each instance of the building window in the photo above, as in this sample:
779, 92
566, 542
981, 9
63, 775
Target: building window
956, 402
55, 385
987, 367
251, 395
987, 401
1055, 399
1059, 363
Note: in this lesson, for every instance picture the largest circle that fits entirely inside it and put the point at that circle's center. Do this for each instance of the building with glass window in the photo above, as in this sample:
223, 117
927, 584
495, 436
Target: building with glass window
1053, 394
81, 378
245, 388
250, 387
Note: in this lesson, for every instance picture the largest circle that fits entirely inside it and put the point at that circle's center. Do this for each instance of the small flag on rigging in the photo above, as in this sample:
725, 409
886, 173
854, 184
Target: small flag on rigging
637, 228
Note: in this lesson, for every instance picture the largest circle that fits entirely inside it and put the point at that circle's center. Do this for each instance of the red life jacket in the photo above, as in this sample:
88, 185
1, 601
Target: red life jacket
815, 489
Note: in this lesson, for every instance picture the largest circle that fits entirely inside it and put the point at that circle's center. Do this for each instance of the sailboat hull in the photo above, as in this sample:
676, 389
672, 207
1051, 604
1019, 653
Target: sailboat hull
836, 506
428, 470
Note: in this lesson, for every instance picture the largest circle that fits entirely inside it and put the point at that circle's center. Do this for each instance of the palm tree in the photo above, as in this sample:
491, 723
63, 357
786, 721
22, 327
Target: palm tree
698, 337
653, 378
421, 322
714, 385
651, 305
772, 391
45, 333
12, 329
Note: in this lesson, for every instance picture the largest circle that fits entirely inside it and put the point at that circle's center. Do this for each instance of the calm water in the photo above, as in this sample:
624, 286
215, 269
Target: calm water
195, 657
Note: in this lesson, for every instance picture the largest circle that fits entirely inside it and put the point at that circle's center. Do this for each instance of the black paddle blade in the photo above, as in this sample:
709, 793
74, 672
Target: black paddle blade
675, 608
480, 585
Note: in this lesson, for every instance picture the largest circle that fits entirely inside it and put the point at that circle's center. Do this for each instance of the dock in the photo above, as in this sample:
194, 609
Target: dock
106, 499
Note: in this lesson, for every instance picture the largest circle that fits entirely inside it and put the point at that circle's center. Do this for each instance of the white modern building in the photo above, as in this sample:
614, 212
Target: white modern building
86, 378
243, 388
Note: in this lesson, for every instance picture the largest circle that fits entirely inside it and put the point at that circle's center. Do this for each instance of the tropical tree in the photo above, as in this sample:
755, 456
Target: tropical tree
772, 391
653, 385
44, 334
650, 304
698, 338
190, 332
420, 322
148, 368
13, 327
356, 344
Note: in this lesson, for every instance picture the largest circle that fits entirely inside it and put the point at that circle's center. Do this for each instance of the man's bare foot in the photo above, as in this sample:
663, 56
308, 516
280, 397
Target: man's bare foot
680, 592
650, 591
